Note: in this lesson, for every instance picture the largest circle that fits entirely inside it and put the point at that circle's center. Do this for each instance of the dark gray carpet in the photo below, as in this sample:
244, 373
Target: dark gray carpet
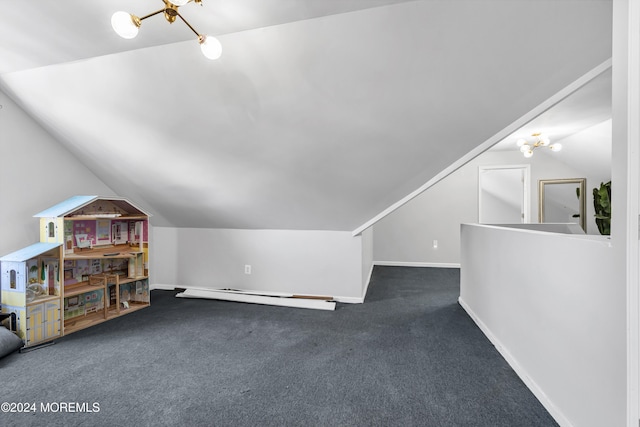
409, 356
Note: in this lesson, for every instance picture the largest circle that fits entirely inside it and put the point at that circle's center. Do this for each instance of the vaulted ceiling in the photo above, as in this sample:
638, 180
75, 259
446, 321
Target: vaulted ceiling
318, 115
581, 122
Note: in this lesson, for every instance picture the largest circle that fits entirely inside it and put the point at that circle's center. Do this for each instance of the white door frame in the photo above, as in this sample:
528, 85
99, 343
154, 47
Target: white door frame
625, 176
526, 211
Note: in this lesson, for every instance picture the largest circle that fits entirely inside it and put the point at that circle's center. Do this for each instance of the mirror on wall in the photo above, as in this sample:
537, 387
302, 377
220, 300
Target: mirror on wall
562, 201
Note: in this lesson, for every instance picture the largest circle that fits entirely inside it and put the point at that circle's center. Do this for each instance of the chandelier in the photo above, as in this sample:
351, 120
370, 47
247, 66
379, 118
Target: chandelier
540, 140
126, 25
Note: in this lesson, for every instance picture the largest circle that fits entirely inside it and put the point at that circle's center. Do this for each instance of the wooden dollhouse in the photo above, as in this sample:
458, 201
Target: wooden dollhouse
91, 265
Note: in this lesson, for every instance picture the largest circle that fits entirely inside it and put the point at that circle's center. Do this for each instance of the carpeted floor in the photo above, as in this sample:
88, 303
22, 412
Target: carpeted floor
408, 356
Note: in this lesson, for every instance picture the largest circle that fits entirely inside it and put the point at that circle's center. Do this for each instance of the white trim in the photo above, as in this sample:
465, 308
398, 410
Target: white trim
632, 248
258, 299
165, 287
245, 292
373, 264
526, 179
364, 291
162, 287
519, 370
417, 264
559, 96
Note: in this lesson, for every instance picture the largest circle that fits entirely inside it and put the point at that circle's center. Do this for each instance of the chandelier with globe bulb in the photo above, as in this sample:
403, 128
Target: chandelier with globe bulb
126, 25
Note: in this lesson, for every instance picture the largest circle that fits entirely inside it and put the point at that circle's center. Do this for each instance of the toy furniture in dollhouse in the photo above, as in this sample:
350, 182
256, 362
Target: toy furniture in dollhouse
82, 241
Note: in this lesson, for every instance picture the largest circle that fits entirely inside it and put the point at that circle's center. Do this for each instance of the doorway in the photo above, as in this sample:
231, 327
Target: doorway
503, 194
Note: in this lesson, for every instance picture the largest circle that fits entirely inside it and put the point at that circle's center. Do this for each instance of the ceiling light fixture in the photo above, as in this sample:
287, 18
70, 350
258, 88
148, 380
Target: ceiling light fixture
126, 25
527, 147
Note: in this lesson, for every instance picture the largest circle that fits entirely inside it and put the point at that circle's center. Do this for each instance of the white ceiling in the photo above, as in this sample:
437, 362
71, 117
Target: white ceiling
581, 123
39, 33
319, 115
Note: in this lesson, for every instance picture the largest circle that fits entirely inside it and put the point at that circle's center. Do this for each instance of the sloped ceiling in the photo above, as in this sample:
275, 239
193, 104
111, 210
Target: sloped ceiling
319, 115
581, 123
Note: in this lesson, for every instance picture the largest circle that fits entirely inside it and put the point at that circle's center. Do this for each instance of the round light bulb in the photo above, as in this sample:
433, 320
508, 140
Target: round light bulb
544, 140
211, 47
124, 25
555, 147
524, 148
528, 153
179, 2
521, 142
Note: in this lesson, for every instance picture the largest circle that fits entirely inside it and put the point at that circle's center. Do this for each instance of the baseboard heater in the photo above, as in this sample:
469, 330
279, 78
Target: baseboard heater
284, 300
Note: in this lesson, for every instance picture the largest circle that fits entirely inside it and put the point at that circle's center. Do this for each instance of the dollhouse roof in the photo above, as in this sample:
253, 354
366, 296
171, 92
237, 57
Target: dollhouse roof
75, 203
29, 252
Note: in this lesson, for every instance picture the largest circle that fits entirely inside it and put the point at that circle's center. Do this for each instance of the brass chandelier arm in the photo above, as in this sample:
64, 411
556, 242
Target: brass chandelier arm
152, 14
189, 25
127, 25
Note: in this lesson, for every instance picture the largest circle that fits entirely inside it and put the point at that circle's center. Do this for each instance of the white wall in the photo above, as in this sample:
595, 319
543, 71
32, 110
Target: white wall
558, 321
36, 172
406, 235
290, 261
367, 259
163, 253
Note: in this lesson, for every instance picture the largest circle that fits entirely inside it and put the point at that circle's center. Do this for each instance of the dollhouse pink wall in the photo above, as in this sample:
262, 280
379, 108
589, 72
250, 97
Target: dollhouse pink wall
90, 228
85, 227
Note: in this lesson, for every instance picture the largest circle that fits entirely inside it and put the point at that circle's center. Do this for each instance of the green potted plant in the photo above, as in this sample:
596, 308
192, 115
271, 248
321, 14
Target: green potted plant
602, 205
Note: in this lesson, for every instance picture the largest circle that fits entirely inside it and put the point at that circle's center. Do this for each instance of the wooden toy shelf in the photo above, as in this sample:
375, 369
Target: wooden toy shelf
84, 287
119, 293
111, 251
82, 322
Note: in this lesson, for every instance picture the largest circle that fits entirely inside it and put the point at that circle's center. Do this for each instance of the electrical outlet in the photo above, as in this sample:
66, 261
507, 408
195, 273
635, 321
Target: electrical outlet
247, 269
435, 244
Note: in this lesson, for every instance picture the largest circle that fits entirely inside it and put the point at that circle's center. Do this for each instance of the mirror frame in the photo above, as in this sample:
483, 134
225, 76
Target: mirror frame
582, 201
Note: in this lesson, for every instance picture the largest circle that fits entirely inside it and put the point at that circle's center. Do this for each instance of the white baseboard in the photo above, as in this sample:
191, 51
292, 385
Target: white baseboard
258, 299
369, 278
519, 370
366, 288
165, 287
161, 286
349, 300
417, 264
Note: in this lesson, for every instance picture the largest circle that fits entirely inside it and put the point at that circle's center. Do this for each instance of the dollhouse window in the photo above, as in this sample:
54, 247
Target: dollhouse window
12, 279
52, 230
